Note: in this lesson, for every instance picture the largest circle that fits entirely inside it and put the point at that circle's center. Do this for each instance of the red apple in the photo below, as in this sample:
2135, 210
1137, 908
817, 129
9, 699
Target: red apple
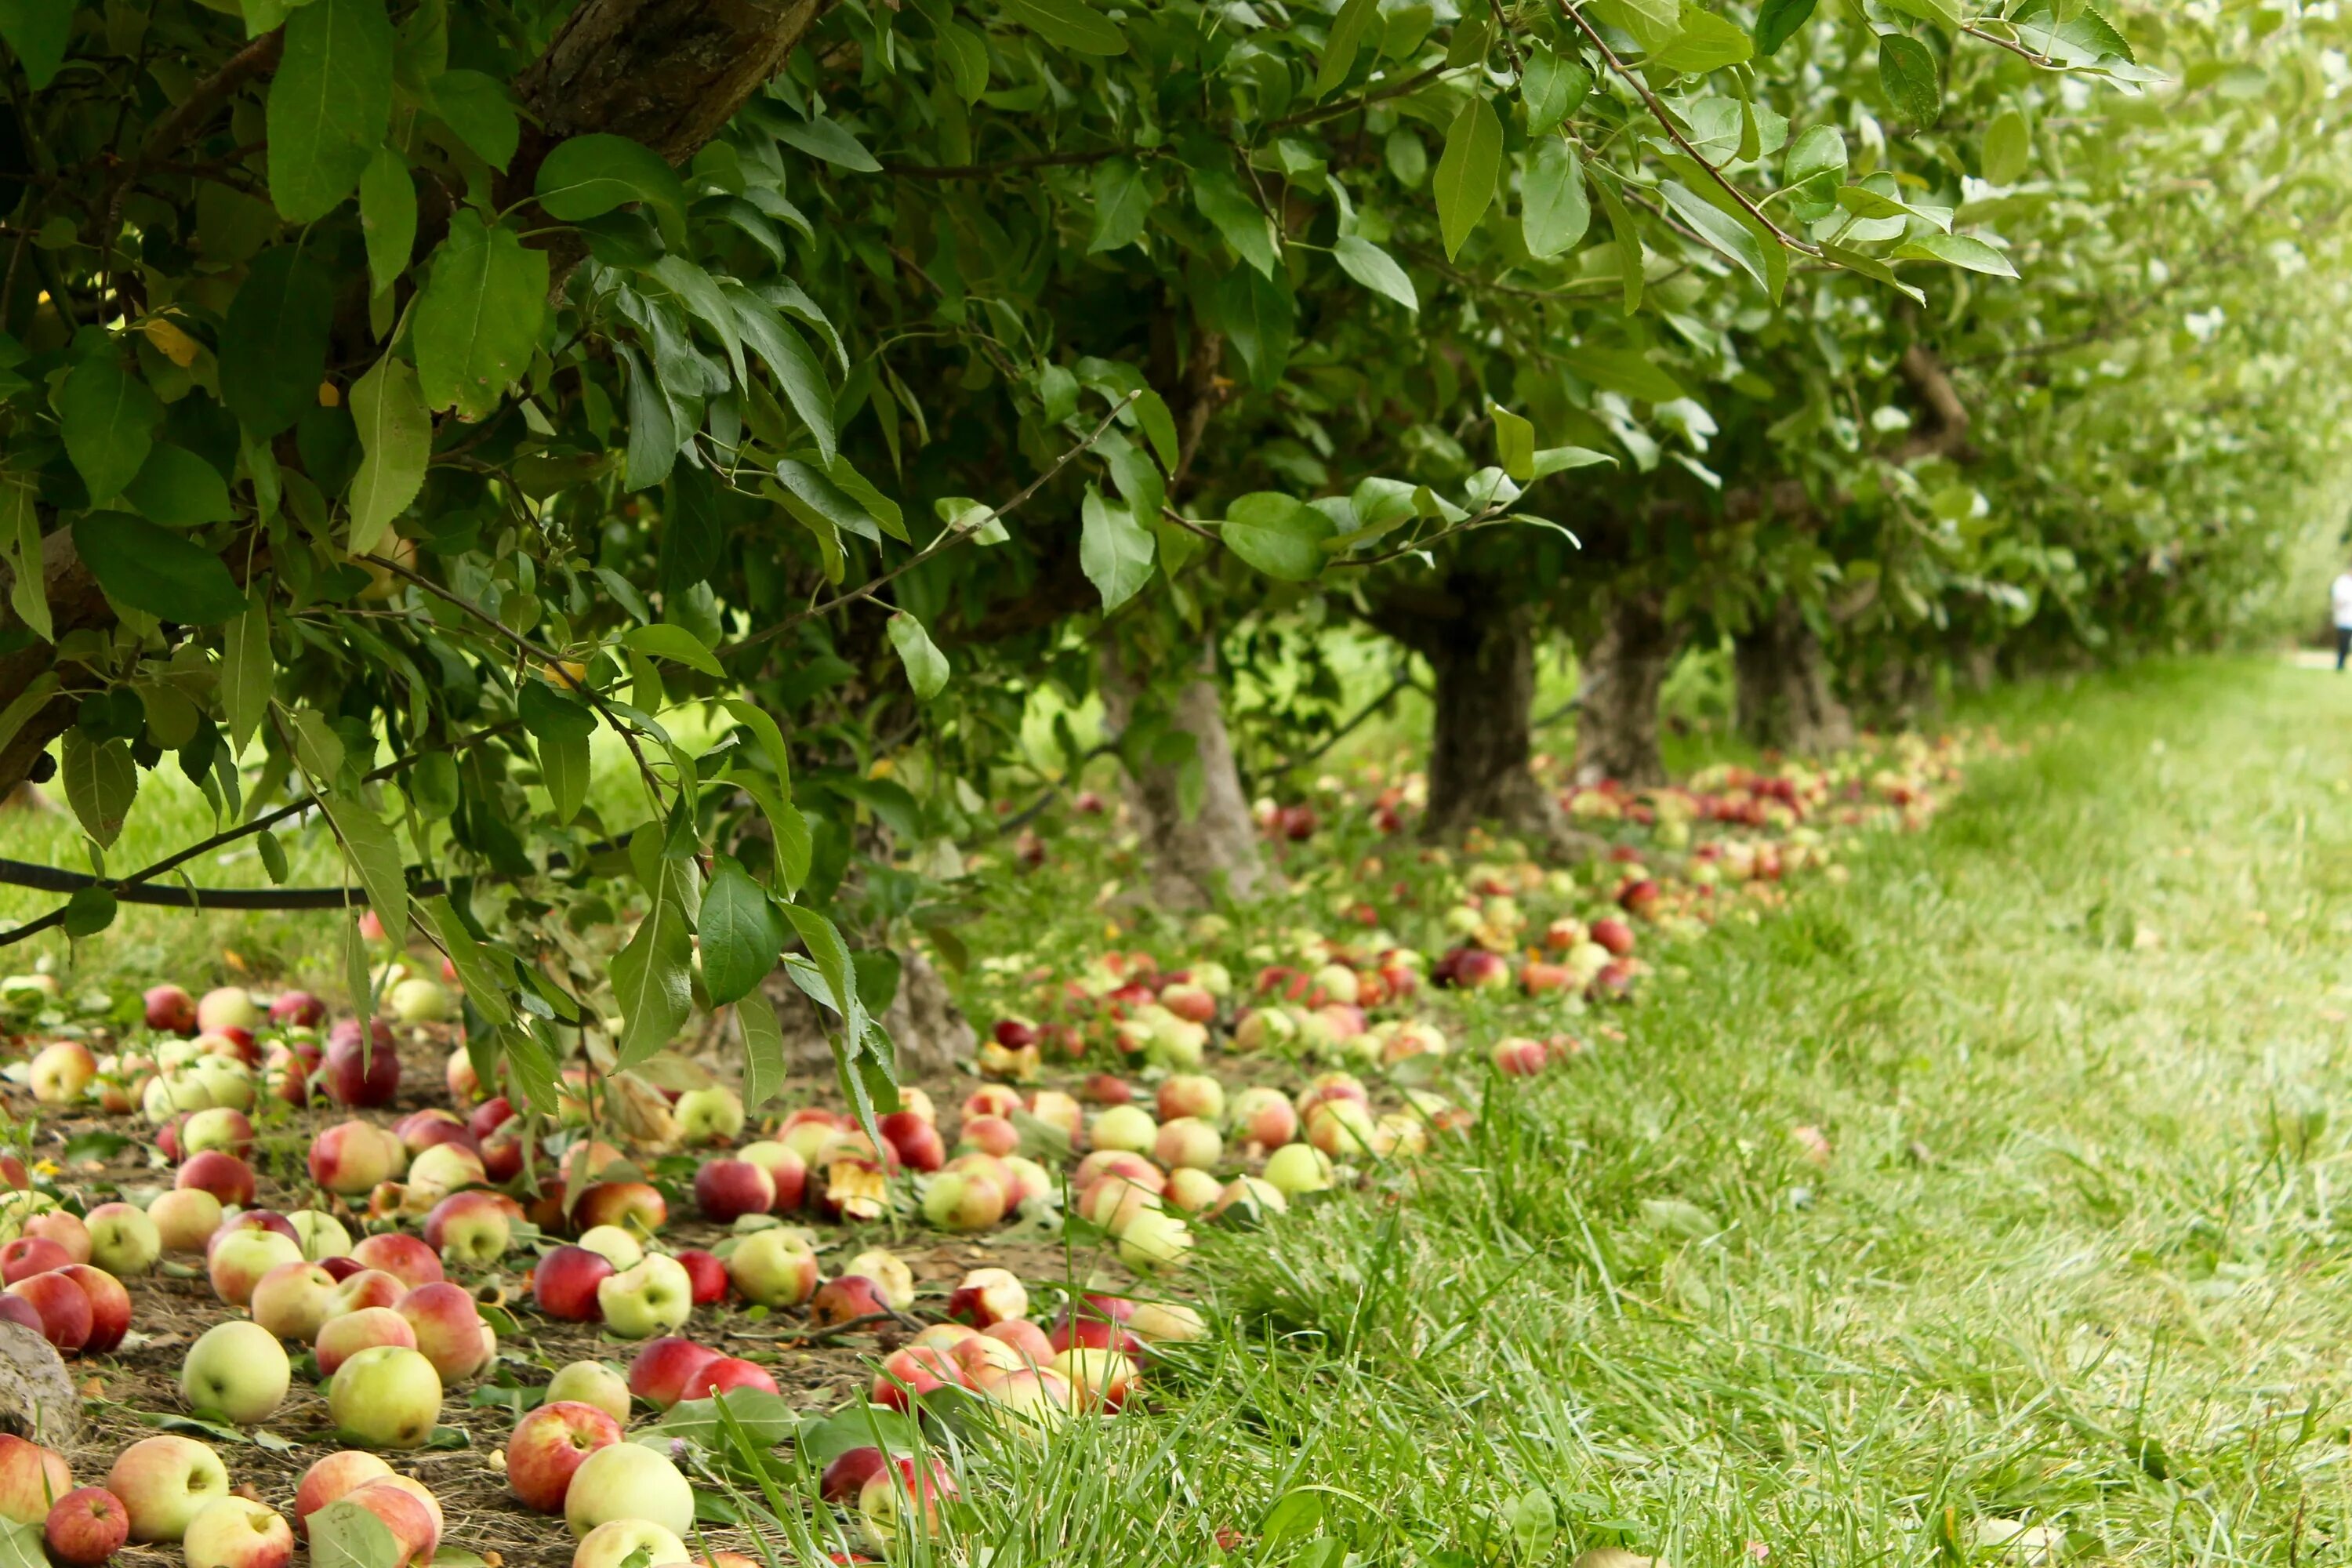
298, 1009
707, 1274
65, 1316
549, 1444
171, 1009
109, 1307
221, 1173
30, 1255
88, 1526
362, 1067
723, 1375
448, 1329
663, 1370
635, 1206
332, 1479
564, 1283
489, 1116
725, 1189
404, 1257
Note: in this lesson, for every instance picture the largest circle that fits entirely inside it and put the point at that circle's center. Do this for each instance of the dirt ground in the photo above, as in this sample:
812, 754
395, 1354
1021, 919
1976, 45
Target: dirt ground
174, 1306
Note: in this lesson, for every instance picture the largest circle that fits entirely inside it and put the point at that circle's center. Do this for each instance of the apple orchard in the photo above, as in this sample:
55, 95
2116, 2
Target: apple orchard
576, 570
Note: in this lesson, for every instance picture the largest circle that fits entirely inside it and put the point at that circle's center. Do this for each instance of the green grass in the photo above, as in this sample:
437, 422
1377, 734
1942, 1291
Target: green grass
2079, 1261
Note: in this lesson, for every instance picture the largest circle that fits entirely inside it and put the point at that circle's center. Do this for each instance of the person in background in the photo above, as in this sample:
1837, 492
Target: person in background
2339, 595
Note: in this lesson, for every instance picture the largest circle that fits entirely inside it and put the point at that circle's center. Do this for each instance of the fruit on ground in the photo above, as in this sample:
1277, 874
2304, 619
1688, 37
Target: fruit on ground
350, 1158
109, 1307
564, 1284
1297, 1168
725, 1189
550, 1445
773, 1268
333, 1478
164, 1482
228, 1007
322, 1236
408, 1510
30, 1255
171, 1010
402, 1256
889, 1273
963, 1201
651, 1298
238, 1532
470, 1229
1124, 1127
662, 1371
614, 1244
616, 1540
386, 1396
60, 1072
368, 1328
629, 1481
1103, 1379
184, 1218
88, 1526
237, 1368
31, 1479
294, 1301
989, 1296
448, 1329
591, 1382
239, 1260
362, 1067
705, 1274
123, 1239
63, 1308
712, 1115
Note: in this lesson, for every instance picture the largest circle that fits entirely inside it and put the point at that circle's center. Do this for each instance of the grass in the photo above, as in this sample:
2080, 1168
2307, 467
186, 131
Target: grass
2074, 1279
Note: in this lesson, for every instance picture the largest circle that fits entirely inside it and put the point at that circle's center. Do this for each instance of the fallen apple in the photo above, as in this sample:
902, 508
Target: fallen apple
628, 1481
164, 1482
386, 1396
548, 1447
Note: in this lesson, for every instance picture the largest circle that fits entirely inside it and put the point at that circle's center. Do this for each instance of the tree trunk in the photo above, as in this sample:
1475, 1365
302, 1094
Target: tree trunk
1783, 688
1194, 856
1480, 739
1617, 717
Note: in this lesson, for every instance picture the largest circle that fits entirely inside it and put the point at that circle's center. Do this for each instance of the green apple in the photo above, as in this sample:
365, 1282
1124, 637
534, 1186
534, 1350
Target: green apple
654, 1298
124, 1240
628, 1481
164, 1482
387, 1397
237, 1368
322, 1234
712, 1115
615, 1541
594, 1383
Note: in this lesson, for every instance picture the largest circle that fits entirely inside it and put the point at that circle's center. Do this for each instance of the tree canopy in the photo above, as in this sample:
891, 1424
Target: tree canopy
397, 395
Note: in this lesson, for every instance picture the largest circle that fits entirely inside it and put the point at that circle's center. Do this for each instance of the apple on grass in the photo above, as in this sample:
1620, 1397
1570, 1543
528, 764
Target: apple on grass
594, 1383
322, 1236
618, 1541
654, 1298
218, 1127
402, 1256
614, 1244
706, 1273
294, 1301
635, 1206
663, 1369
124, 1241
841, 1300
368, 1329
363, 1065
472, 1230
332, 1479
775, 1268
165, 1482
787, 1168
988, 1296
550, 1445
237, 1369
386, 1396
238, 1532
298, 1009
628, 1481
109, 1306
712, 1115
358, 1289
566, 1282
240, 1257
725, 1189
88, 1526
1027, 1341
66, 1229
405, 1509
30, 1255
61, 1072
63, 1309
32, 1480
350, 1158
171, 1009
448, 1329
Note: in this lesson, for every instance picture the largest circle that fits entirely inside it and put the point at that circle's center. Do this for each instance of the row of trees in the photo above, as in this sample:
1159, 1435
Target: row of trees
398, 395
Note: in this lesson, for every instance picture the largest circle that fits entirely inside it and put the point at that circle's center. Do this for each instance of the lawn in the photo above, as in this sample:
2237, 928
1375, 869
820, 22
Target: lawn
2070, 1280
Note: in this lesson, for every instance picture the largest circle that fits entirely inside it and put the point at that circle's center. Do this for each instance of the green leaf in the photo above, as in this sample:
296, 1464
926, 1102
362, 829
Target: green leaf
373, 850
742, 936
1554, 211
662, 641
108, 418
1159, 426
1706, 43
20, 709
1721, 230
1551, 89
387, 217
395, 440
588, 176
1235, 215
1347, 37
102, 782
2008, 148
273, 350
1821, 150
345, 1535
1467, 171
564, 763
551, 714
1959, 250
1279, 535
1871, 266
1122, 202
763, 1048
1260, 320
827, 140
1622, 370
927, 666
769, 733
245, 674
789, 828
476, 106
1777, 22
37, 32
1070, 24
1907, 70
1515, 444
166, 574
330, 104
179, 489
1629, 242
20, 552
826, 500
651, 976
703, 301
484, 987
1114, 550
1653, 23
479, 317
1376, 269
798, 372
1560, 459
